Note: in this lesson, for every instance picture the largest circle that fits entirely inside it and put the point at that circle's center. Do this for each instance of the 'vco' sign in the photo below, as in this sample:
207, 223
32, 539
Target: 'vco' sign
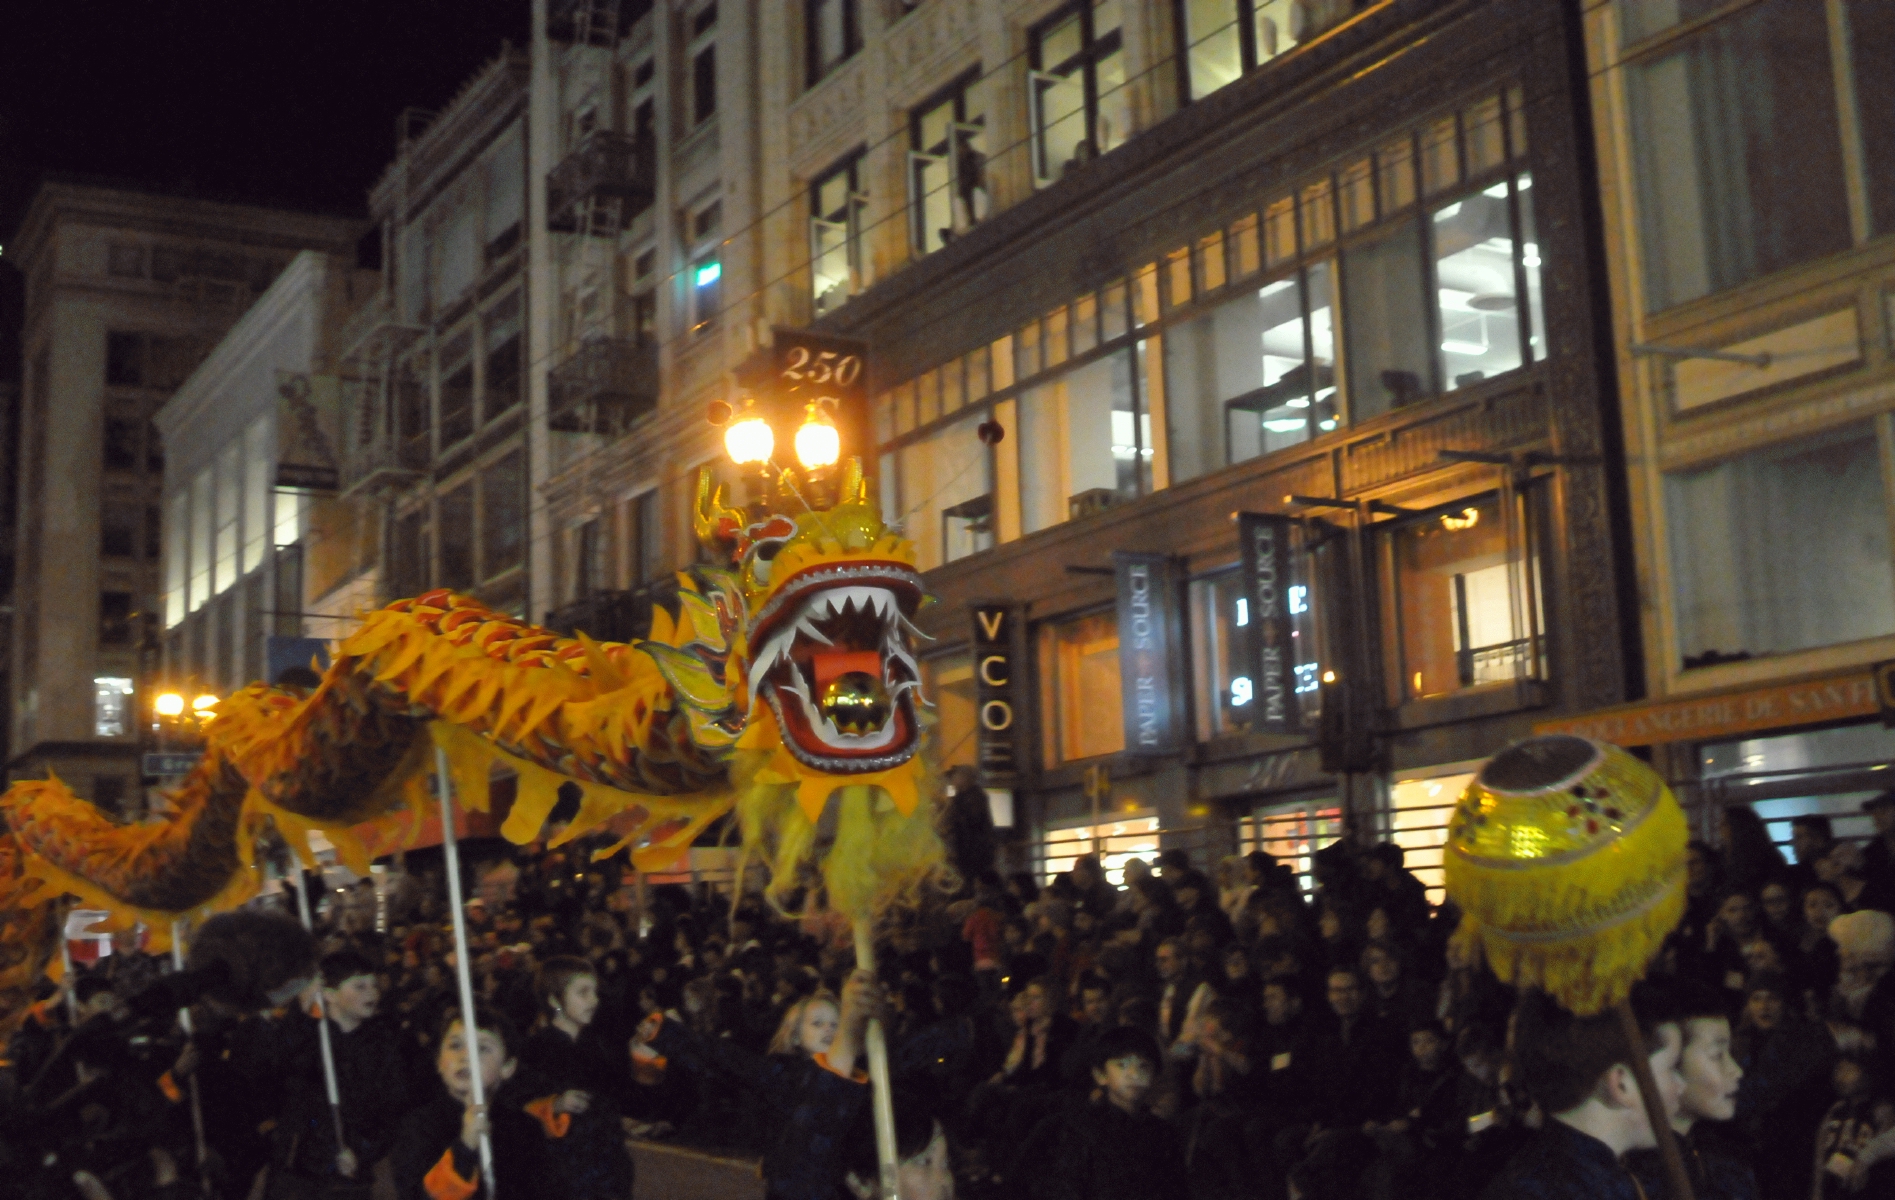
997, 715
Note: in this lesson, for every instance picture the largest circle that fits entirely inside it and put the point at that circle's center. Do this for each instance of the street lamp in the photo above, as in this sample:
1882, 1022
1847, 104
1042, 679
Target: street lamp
169, 704
203, 704
749, 440
818, 444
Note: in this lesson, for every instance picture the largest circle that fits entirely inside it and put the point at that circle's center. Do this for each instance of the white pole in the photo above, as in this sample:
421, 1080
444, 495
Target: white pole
463, 969
322, 1019
881, 1093
197, 1106
72, 985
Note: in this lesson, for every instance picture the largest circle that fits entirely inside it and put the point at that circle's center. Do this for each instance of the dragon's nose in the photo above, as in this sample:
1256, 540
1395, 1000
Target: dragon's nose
856, 703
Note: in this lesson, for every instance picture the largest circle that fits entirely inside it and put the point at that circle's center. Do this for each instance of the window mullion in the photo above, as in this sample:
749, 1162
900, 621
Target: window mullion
1849, 121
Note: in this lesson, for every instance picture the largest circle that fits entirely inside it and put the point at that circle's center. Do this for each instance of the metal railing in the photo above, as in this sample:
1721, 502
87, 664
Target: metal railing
606, 385
606, 169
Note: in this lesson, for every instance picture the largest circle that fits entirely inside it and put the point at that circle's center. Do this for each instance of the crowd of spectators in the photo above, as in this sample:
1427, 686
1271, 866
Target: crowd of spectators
1237, 1033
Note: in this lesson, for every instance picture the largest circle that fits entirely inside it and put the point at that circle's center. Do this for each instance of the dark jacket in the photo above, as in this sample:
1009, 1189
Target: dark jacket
431, 1162
374, 1089
588, 1149
1562, 1163
1711, 1163
1105, 1153
1348, 1079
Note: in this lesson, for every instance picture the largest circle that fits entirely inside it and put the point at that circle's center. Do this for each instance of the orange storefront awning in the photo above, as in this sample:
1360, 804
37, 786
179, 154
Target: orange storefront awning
1723, 715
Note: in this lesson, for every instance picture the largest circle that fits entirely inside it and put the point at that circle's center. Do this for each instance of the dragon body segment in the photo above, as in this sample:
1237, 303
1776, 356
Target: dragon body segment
785, 688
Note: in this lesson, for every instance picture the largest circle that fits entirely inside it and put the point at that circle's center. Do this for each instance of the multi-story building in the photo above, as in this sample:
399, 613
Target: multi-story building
252, 467
435, 437
125, 294
1747, 182
1126, 269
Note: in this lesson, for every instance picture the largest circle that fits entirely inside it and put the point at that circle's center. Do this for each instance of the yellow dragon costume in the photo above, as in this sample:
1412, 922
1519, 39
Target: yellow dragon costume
787, 678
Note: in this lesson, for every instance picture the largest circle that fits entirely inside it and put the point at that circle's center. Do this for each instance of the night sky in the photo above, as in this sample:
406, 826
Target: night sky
284, 102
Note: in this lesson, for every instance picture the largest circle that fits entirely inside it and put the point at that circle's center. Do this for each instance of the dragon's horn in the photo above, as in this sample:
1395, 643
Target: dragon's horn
855, 487
710, 511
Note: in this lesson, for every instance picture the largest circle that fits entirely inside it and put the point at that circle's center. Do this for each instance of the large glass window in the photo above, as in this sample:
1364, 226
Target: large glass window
1221, 650
1292, 833
1115, 842
229, 511
1476, 289
503, 357
1386, 322
503, 514
836, 201
946, 482
1254, 375
1226, 38
1079, 443
203, 521
1465, 613
1737, 152
1078, 104
703, 51
259, 470
455, 513
1419, 808
112, 706
947, 165
1079, 660
1783, 549
457, 388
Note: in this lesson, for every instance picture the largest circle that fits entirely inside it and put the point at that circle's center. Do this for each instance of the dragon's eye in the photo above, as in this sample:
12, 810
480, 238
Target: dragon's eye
762, 554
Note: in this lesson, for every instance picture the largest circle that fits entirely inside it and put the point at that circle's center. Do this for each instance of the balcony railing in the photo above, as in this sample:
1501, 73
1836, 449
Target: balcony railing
382, 448
593, 22
598, 188
613, 616
603, 388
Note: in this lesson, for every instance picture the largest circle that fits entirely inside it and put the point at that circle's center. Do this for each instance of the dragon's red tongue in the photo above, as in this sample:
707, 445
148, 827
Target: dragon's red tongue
834, 664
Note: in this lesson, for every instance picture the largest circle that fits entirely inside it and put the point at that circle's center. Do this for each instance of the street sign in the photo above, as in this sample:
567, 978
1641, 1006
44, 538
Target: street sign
172, 762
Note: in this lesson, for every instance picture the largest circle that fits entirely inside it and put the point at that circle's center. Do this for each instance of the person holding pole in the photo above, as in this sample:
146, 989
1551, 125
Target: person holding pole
372, 1092
438, 1155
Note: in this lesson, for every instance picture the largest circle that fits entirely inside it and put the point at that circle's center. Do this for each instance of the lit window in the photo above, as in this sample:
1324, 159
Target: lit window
947, 166
1078, 106
833, 36
1292, 834
1466, 614
1115, 842
1418, 823
836, 201
947, 681
706, 294
111, 706
1085, 714
1226, 38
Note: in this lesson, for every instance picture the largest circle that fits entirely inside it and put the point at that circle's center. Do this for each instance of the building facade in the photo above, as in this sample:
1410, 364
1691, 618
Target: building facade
434, 437
1747, 180
253, 467
1125, 270
125, 294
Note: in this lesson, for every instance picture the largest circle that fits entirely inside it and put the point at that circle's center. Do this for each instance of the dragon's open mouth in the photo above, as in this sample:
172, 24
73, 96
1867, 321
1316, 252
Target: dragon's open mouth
834, 659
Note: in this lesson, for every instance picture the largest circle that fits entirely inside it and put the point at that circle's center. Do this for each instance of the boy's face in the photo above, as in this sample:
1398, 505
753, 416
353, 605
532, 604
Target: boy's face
927, 1175
581, 1000
1428, 1048
1126, 1080
496, 1066
355, 998
1345, 994
1764, 1008
1665, 1063
1776, 903
1096, 1005
1820, 907
1279, 1004
1710, 1073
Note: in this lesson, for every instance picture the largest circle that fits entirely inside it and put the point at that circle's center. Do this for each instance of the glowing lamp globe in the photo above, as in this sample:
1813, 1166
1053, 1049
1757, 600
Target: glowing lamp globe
749, 440
204, 703
170, 704
818, 445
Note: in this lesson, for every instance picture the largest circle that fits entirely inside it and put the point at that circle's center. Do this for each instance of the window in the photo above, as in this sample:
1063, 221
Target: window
506, 196
503, 357
1254, 375
1221, 650
1077, 100
503, 514
833, 35
1387, 322
154, 532
946, 482
1419, 808
643, 553
124, 359
120, 446
1080, 661
707, 275
118, 530
1292, 833
836, 202
457, 388
116, 624
1784, 549
288, 518
947, 165
1224, 39
202, 519
408, 567
1737, 152
1464, 614
149, 360
703, 52
111, 706
588, 559
1115, 842
947, 682
1477, 295
1080, 443
454, 512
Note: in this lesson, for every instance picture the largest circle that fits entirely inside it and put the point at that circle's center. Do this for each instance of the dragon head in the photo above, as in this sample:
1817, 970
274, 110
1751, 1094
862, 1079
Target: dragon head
827, 634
